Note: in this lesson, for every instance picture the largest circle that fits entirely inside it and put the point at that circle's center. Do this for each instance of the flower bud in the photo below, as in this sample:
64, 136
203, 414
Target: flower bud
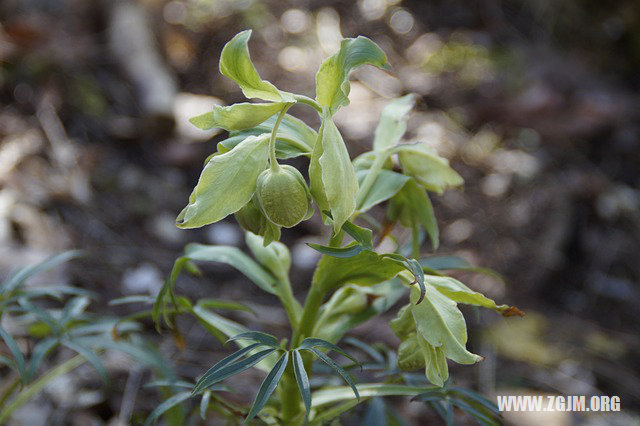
284, 196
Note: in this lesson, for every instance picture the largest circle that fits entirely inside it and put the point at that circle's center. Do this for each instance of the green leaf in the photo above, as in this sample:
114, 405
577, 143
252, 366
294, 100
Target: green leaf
224, 305
275, 257
386, 185
460, 293
332, 395
481, 417
332, 79
90, 356
411, 206
365, 269
349, 250
334, 185
313, 342
430, 170
393, 122
73, 309
227, 183
286, 147
19, 277
302, 379
439, 263
231, 370
331, 363
258, 337
166, 406
236, 64
362, 235
440, 323
268, 386
223, 363
232, 256
39, 352
436, 368
17, 355
237, 116
217, 325
204, 404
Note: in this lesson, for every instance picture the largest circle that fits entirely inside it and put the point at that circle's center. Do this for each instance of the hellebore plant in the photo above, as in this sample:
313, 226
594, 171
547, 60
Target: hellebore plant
353, 282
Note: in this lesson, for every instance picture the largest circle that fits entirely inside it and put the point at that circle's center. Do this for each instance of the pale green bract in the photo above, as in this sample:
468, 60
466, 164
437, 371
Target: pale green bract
334, 185
430, 170
236, 64
440, 323
393, 122
227, 183
332, 79
460, 293
237, 116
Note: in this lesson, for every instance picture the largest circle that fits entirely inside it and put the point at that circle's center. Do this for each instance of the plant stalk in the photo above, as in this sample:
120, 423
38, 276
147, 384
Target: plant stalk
272, 142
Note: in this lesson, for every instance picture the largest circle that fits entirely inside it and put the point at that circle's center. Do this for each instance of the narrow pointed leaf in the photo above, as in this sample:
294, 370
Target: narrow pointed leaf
312, 342
257, 336
204, 404
90, 356
231, 370
166, 406
40, 351
224, 362
331, 363
302, 378
362, 235
17, 355
268, 386
20, 276
386, 185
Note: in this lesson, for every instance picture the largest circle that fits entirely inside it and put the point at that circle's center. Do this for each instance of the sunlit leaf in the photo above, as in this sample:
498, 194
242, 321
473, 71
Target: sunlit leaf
227, 183
429, 169
236, 64
332, 79
460, 293
393, 122
237, 116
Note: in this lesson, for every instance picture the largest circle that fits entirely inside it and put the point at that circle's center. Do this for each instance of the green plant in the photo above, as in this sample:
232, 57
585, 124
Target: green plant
244, 177
48, 317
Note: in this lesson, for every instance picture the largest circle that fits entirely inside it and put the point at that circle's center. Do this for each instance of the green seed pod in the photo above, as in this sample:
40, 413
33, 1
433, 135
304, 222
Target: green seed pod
284, 196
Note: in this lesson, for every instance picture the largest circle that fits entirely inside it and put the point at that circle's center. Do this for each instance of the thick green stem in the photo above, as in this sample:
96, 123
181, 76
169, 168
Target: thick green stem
308, 101
291, 305
272, 142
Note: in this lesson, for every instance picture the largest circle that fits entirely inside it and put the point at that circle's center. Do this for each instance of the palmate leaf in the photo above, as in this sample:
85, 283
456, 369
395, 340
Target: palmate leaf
226, 184
268, 386
302, 379
237, 116
236, 64
313, 342
228, 370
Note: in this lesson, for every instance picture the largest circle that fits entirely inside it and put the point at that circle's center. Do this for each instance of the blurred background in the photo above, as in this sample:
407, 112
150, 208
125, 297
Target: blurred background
536, 102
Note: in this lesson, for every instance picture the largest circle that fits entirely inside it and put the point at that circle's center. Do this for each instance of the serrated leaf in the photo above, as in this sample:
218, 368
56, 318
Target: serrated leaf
302, 379
268, 386
237, 116
313, 342
236, 64
334, 185
347, 251
440, 323
386, 185
227, 183
258, 337
429, 169
393, 122
331, 363
16, 353
231, 370
166, 406
332, 79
